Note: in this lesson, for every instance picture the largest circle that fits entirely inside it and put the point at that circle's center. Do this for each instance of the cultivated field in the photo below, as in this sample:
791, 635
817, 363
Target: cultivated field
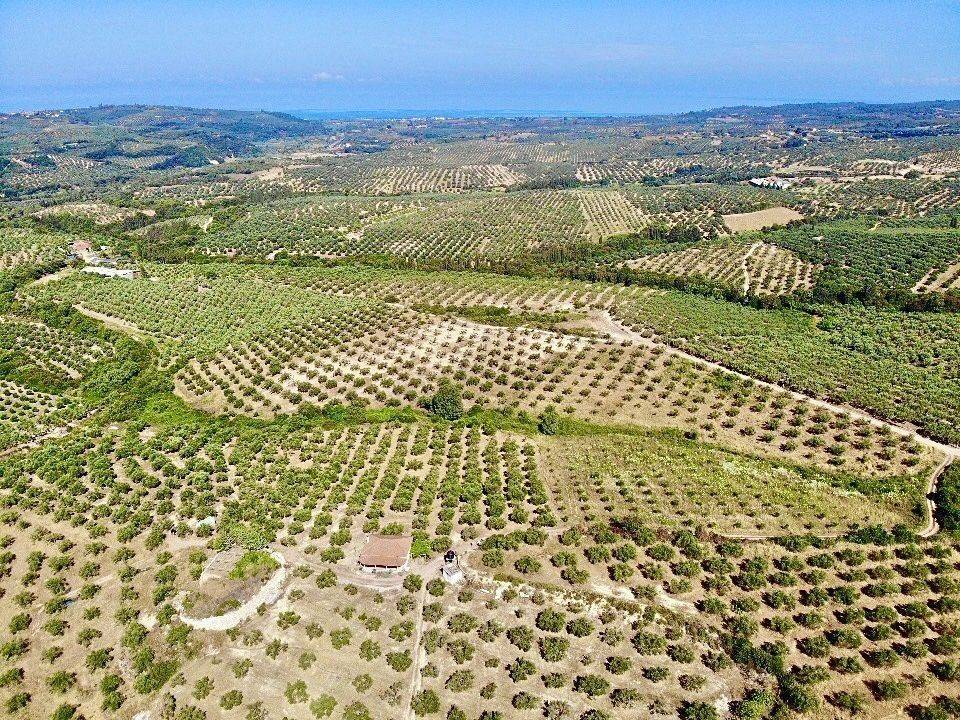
760, 219
759, 268
680, 393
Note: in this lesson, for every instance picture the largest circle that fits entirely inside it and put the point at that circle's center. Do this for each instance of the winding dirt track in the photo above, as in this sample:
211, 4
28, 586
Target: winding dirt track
605, 323
266, 595
111, 322
745, 266
932, 527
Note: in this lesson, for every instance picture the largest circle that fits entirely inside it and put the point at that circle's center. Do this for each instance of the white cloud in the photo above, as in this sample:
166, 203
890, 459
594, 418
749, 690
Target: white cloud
325, 76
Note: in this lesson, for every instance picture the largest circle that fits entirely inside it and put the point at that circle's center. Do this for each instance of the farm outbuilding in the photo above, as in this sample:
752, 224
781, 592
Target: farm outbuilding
773, 182
122, 273
386, 554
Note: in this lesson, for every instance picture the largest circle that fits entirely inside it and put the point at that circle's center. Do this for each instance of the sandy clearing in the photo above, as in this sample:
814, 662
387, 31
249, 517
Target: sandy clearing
274, 173
759, 219
676, 604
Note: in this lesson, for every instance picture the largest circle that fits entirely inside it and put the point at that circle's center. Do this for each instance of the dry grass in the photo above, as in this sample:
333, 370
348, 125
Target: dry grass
759, 219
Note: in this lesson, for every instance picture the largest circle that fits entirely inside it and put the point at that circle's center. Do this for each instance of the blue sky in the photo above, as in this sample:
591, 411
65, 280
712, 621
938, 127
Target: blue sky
525, 55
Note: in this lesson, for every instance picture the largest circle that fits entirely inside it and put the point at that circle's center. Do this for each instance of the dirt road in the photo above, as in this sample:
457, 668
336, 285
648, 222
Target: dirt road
416, 679
605, 323
932, 527
112, 323
745, 266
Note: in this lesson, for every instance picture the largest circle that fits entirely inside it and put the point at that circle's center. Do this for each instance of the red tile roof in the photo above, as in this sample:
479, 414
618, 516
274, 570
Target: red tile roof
386, 551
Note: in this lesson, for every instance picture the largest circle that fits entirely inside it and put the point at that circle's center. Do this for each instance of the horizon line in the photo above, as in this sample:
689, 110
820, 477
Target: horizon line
454, 113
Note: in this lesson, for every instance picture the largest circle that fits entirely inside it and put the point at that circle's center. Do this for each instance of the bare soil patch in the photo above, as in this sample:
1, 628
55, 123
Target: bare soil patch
759, 219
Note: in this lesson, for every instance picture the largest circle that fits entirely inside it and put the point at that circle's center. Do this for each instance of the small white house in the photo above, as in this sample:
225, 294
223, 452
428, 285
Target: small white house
771, 182
451, 571
122, 273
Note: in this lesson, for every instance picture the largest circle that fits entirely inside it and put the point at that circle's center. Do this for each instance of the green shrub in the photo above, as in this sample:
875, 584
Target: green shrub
323, 706
426, 703
231, 699
591, 685
553, 648
550, 421
447, 401
697, 711
550, 620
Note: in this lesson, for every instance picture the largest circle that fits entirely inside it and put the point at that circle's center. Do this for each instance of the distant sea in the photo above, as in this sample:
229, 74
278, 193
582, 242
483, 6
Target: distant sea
407, 114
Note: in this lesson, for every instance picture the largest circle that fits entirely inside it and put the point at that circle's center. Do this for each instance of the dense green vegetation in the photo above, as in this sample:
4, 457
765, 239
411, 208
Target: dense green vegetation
947, 499
252, 564
872, 259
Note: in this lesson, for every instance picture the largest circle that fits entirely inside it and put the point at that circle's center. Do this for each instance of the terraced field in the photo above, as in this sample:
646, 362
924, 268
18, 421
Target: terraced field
296, 343
758, 268
39, 364
26, 413
468, 226
405, 180
937, 280
896, 197
105, 581
52, 350
21, 249
889, 254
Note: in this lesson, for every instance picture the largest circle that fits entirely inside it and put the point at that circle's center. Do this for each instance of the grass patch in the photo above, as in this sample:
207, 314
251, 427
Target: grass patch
673, 480
253, 563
